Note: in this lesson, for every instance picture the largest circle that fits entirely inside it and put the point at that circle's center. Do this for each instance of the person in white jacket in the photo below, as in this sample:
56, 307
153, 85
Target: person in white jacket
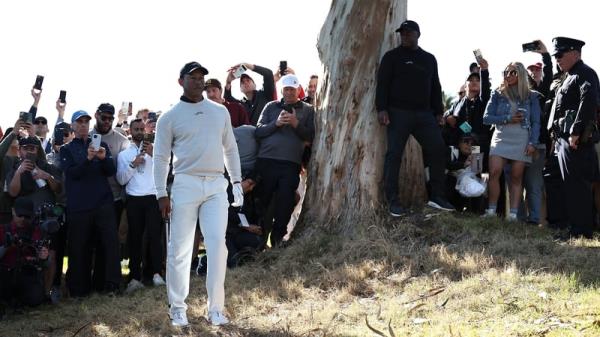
198, 133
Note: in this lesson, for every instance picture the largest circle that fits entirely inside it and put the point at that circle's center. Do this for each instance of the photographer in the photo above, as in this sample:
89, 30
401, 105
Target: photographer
254, 100
284, 129
90, 206
135, 171
23, 257
37, 181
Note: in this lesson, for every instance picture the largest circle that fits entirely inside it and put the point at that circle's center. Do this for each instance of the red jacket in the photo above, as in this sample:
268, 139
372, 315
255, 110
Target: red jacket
239, 115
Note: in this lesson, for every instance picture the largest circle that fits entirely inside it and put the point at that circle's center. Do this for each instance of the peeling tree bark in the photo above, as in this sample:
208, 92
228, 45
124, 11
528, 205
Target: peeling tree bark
346, 168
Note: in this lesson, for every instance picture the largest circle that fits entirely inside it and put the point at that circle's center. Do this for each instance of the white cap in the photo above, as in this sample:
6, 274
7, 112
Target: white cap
290, 81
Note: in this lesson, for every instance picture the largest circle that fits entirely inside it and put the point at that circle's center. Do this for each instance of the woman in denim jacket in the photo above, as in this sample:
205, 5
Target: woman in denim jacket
514, 111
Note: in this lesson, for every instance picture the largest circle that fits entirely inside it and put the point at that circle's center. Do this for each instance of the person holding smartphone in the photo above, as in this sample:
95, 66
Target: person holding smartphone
90, 209
198, 133
254, 100
514, 111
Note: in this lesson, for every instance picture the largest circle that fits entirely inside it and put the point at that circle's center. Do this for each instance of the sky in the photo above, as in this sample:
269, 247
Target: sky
114, 51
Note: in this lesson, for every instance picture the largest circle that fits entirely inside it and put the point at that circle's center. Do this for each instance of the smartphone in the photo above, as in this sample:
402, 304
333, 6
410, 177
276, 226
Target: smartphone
124, 108
282, 67
130, 109
239, 71
531, 46
478, 55
38, 82
96, 139
288, 108
59, 136
63, 97
149, 138
32, 157
243, 221
26, 117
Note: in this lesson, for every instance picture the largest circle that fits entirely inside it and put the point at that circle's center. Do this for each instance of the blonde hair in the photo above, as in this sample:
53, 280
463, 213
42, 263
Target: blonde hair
521, 91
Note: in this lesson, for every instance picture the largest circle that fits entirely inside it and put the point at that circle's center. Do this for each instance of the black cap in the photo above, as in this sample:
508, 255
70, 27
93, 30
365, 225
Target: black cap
28, 141
190, 67
474, 74
63, 125
40, 118
565, 44
409, 25
213, 82
24, 207
106, 108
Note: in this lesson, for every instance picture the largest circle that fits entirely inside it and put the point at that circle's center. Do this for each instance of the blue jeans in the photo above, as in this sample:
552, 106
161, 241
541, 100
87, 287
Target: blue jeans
533, 183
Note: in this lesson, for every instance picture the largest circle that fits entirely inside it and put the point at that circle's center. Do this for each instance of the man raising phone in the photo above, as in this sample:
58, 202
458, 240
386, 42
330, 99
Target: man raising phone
198, 132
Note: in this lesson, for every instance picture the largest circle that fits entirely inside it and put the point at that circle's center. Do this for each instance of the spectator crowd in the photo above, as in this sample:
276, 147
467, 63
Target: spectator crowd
86, 189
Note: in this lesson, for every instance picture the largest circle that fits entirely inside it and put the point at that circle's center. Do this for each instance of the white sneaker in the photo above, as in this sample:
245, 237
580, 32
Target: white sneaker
489, 213
512, 217
133, 286
179, 319
217, 318
157, 280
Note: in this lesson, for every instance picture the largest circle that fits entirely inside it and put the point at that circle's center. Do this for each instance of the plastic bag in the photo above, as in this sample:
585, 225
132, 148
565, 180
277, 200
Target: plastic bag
468, 185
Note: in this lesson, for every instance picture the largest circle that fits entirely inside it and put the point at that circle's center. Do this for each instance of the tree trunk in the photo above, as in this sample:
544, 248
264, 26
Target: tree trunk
346, 170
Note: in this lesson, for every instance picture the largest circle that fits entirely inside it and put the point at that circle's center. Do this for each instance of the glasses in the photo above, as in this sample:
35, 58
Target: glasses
508, 73
29, 148
24, 216
40, 122
460, 93
107, 118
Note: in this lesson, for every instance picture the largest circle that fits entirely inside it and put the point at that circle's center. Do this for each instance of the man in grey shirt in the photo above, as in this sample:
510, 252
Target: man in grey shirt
284, 129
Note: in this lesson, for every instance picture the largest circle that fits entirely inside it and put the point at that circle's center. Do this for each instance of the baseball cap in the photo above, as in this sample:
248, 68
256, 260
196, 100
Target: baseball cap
290, 80
245, 76
472, 75
79, 114
190, 67
24, 207
537, 65
106, 108
409, 25
213, 82
28, 141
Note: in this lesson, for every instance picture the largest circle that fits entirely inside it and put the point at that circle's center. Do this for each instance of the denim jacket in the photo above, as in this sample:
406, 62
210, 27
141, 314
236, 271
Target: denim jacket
498, 113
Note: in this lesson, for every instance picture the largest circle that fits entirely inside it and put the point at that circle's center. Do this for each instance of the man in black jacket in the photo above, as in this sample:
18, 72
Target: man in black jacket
90, 208
254, 100
408, 100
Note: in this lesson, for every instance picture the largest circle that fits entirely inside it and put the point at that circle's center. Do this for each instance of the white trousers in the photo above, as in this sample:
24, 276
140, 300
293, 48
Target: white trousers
203, 198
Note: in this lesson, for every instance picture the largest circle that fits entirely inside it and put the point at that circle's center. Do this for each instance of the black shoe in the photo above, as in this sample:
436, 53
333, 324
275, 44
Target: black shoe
396, 210
440, 203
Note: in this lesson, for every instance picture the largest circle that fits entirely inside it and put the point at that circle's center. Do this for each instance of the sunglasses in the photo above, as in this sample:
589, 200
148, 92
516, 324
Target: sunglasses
508, 73
29, 148
107, 118
559, 55
40, 122
27, 217
461, 93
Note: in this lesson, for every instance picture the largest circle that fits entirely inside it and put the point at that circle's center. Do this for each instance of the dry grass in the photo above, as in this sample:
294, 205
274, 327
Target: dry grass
440, 275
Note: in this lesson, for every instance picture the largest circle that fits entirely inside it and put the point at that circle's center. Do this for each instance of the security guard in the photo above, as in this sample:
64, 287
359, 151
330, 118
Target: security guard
572, 121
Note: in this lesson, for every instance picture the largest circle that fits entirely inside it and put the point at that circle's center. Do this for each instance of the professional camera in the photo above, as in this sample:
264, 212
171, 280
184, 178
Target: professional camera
49, 217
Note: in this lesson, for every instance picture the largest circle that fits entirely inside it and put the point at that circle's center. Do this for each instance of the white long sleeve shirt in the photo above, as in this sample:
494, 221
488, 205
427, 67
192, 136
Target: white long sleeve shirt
138, 181
201, 139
